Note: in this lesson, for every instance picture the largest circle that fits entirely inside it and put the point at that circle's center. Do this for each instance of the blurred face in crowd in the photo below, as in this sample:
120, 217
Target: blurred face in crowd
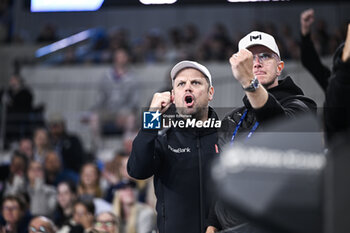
18, 166
105, 222
40, 224
52, 162
127, 195
56, 129
89, 175
35, 171
11, 211
65, 196
41, 138
268, 67
26, 147
121, 58
82, 216
192, 93
15, 83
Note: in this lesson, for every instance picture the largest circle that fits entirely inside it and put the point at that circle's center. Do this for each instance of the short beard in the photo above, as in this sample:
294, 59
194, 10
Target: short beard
267, 85
198, 115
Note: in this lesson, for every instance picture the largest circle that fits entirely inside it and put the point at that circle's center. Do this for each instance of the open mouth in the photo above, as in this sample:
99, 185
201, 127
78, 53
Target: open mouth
189, 100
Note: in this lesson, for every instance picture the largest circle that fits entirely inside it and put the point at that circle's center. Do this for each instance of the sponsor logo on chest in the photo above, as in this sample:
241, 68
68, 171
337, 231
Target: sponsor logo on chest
179, 150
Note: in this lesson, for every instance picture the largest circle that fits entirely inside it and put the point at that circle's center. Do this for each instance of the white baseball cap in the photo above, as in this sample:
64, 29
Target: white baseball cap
190, 64
259, 38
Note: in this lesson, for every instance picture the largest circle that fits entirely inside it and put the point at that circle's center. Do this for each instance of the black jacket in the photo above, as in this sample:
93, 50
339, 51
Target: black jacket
312, 62
285, 100
179, 159
72, 152
337, 110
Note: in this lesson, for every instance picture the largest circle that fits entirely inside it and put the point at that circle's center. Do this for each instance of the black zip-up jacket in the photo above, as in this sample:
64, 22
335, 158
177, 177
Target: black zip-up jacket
179, 159
285, 100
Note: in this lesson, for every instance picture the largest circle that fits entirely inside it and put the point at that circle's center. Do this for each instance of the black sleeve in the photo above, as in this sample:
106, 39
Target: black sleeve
212, 218
312, 62
290, 108
337, 110
143, 160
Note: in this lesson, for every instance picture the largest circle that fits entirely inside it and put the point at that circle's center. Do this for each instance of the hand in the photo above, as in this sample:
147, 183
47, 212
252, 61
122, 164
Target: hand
161, 101
110, 177
346, 50
307, 18
242, 67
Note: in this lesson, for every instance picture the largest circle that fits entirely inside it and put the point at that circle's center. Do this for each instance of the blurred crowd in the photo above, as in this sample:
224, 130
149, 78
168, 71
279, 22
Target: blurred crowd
174, 44
188, 43
51, 175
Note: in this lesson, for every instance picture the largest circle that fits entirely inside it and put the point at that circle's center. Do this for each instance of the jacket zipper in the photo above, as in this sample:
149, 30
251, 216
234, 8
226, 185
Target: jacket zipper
200, 185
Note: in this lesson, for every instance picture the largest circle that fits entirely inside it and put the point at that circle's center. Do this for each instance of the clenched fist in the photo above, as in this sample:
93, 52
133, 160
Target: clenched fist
242, 66
307, 18
161, 101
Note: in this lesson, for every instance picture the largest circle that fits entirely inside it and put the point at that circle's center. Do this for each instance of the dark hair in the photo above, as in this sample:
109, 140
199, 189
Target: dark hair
17, 198
17, 154
87, 201
71, 185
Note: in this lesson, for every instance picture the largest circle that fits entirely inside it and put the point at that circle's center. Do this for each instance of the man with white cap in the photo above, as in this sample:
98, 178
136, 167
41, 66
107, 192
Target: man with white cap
179, 157
257, 66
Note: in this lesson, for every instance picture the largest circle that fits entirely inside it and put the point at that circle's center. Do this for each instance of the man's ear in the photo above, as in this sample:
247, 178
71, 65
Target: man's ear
172, 96
280, 68
211, 93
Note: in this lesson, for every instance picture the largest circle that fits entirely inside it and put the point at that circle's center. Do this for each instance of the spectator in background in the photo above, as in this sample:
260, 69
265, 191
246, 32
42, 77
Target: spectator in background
19, 104
119, 40
41, 144
68, 146
41, 224
48, 34
115, 173
218, 43
83, 217
106, 222
289, 46
135, 217
66, 196
15, 181
15, 214
89, 183
42, 196
190, 34
26, 148
54, 172
118, 99
308, 54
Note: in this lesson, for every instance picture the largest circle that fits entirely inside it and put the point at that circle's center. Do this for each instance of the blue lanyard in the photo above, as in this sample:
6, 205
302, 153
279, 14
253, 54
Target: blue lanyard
239, 125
